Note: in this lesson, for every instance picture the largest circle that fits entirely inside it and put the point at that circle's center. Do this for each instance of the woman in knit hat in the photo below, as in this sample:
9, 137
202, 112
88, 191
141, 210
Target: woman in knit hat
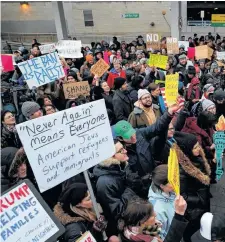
9, 135
194, 180
75, 211
85, 69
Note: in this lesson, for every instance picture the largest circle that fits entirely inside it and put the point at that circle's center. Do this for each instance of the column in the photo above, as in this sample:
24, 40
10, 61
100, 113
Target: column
175, 15
60, 21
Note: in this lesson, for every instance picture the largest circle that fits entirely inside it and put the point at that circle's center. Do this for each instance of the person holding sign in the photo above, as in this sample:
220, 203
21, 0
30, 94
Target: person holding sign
75, 211
194, 180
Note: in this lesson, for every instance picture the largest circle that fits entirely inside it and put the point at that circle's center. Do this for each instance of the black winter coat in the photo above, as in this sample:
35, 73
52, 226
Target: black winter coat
133, 93
122, 105
10, 139
112, 192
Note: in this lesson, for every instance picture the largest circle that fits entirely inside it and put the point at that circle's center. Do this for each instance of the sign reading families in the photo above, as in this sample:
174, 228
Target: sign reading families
42, 70
63, 144
152, 42
73, 90
69, 48
171, 88
159, 61
26, 217
86, 237
100, 68
173, 171
172, 46
45, 49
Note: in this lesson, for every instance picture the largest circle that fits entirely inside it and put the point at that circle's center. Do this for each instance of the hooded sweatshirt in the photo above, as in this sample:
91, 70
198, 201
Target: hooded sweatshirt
164, 207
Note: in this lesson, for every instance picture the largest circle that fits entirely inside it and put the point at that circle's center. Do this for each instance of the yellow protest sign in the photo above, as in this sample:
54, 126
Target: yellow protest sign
73, 90
202, 52
158, 61
171, 88
173, 171
100, 68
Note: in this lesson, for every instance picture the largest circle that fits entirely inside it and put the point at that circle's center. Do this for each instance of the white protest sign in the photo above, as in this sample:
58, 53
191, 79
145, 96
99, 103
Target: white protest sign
220, 55
45, 49
25, 217
42, 70
86, 237
63, 144
69, 48
185, 43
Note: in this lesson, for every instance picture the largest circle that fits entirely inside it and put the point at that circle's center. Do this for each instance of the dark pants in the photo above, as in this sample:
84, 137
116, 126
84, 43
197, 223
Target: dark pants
192, 227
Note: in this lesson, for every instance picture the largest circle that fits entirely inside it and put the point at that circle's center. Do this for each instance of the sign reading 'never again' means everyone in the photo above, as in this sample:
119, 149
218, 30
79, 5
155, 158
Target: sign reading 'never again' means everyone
42, 70
63, 144
25, 217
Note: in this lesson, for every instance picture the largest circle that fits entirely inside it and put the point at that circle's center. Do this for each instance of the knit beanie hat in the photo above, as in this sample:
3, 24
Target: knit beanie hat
219, 95
183, 56
123, 129
142, 92
29, 108
89, 57
73, 195
118, 82
208, 88
206, 103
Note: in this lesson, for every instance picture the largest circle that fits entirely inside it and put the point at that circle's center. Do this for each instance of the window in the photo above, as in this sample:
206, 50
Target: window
88, 18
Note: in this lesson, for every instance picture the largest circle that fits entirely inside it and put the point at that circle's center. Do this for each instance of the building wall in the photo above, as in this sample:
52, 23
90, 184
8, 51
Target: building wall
107, 17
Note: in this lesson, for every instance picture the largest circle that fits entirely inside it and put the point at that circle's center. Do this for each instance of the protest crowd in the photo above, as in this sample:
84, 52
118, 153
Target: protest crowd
165, 101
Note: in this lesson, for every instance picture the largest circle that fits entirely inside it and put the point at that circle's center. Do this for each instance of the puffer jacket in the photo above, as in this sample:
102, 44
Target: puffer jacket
10, 139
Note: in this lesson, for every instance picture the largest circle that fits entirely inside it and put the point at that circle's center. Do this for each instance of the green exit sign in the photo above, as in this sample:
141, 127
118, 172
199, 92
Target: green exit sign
130, 15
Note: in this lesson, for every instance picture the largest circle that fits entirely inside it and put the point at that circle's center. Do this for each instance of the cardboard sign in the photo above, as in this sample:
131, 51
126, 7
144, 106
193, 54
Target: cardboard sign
42, 70
99, 68
159, 61
7, 63
26, 217
202, 52
152, 42
46, 49
191, 52
69, 48
86, 237
220, 55
73, 90
172, 46
66, 143
185, 43
173, 171
171, 88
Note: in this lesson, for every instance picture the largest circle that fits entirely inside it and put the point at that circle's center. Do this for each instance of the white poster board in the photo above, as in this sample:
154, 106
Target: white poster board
185, 43
69, 48
66, 143
45, 49
86, 237
26, 217
220, 55
42, 70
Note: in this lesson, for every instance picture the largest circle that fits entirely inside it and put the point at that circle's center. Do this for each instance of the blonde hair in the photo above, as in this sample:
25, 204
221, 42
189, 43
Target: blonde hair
63, 61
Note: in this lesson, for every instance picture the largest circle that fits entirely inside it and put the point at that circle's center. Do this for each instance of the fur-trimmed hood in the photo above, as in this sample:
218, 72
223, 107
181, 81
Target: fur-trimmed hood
111, 161
191, 169
65, 218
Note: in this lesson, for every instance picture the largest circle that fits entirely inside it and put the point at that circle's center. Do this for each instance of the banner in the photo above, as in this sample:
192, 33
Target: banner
26, 217
46, 49
69, 48
73, 90
152, 42
220, 55
185, 43
159, 61
202, 52
66, 143
86, 237
42, 70
7, 63
171, 88
191, 53
99, 68
173, 171
172, 46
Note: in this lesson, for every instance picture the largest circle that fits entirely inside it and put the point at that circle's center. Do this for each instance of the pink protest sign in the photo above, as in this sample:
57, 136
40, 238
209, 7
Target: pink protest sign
7, 63
191, 52
106, 57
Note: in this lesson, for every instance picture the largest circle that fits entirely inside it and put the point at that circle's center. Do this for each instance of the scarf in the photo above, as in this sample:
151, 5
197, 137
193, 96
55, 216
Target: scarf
88, 214
194, 81
150, 115
11, 128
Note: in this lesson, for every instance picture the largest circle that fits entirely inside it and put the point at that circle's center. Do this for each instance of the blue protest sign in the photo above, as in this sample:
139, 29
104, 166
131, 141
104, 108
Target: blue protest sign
42, 70
219, 141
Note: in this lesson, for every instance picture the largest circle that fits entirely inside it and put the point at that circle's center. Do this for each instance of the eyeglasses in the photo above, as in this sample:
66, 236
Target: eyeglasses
171, 128
121, 151
10, 116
